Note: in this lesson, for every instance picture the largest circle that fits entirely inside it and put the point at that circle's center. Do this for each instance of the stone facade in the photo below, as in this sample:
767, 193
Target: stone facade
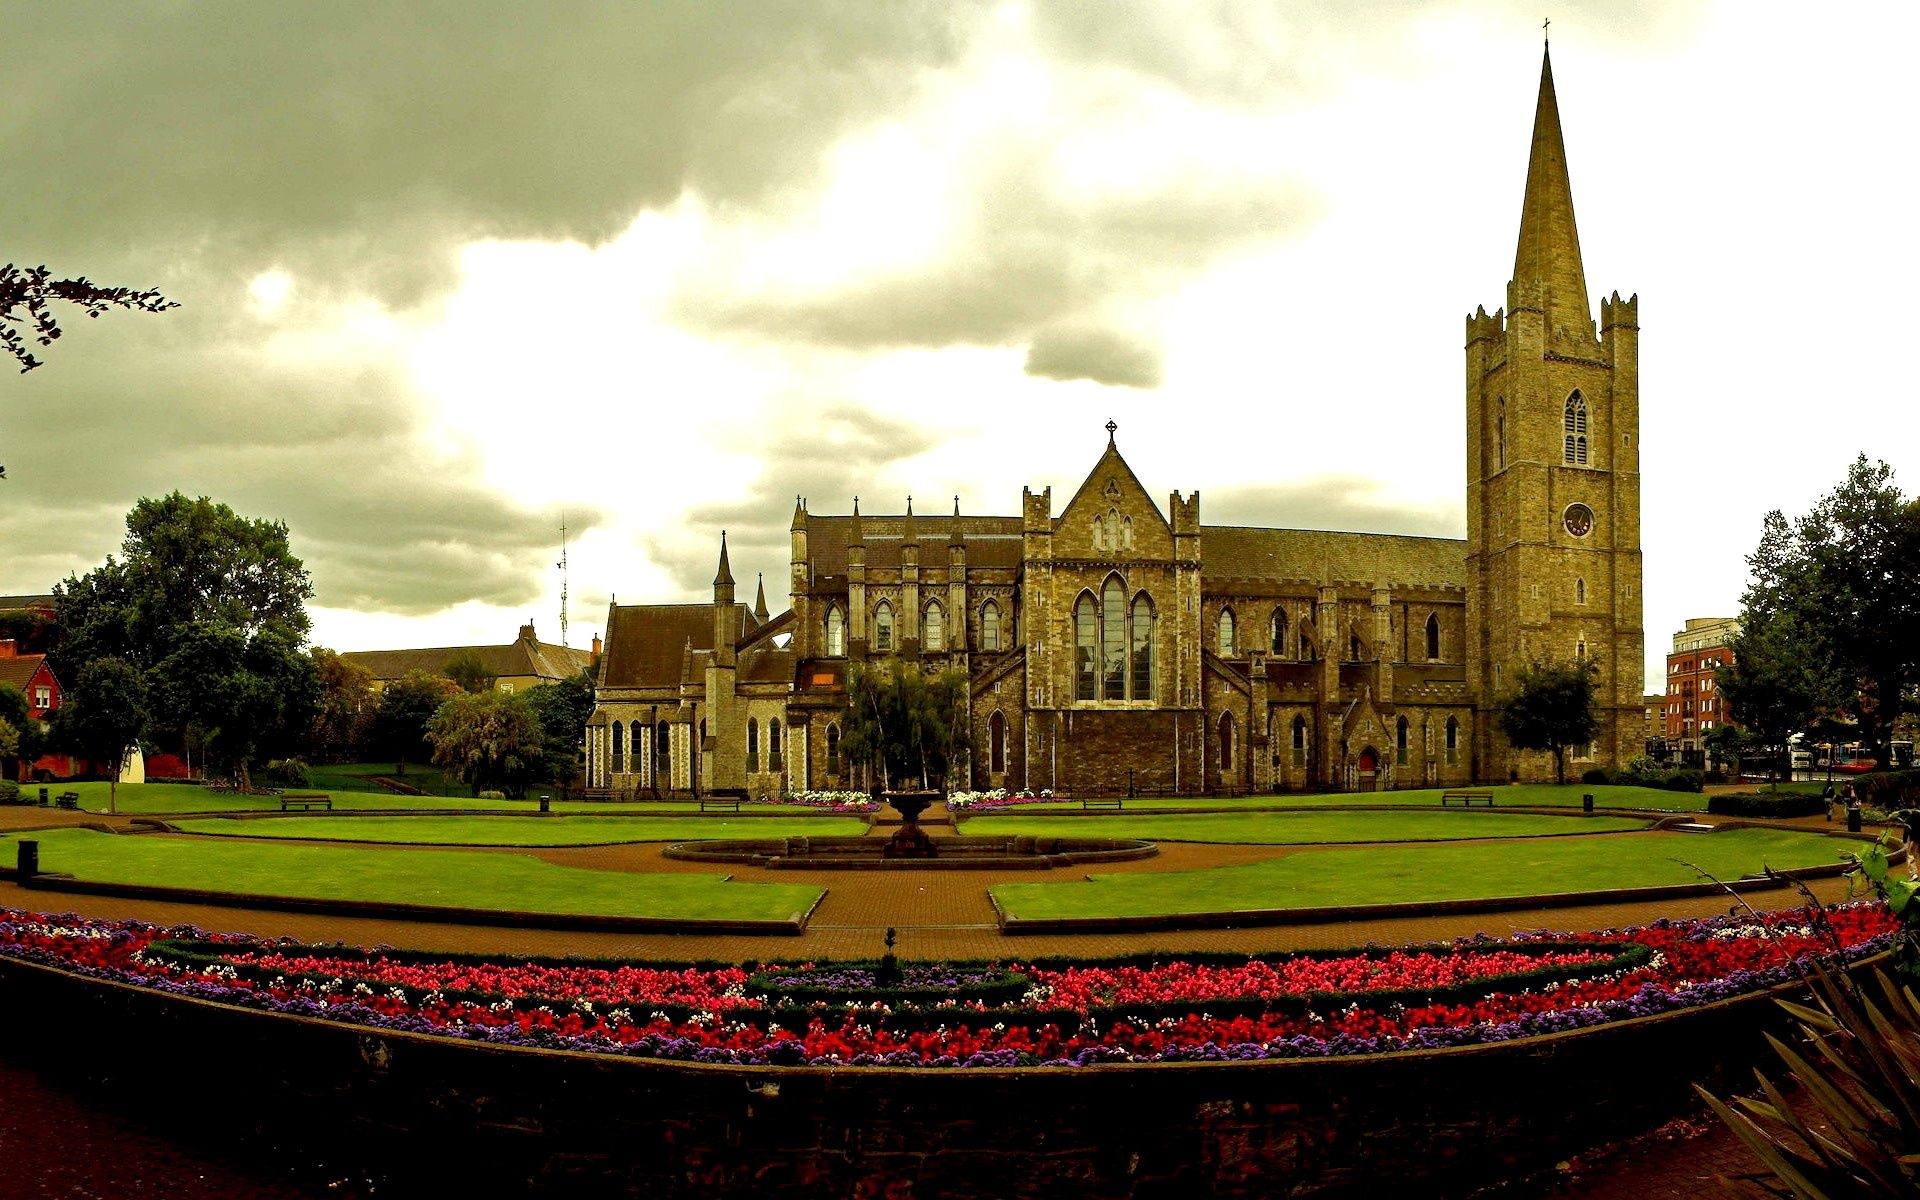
1119, 645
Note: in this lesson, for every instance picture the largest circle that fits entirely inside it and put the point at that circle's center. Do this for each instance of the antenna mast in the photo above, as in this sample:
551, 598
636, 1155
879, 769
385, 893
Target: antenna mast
562, 564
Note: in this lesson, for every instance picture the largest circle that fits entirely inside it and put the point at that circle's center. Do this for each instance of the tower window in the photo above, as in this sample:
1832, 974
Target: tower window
1579, 591
1575, 430
1500, 435
1433, 637
1279, 631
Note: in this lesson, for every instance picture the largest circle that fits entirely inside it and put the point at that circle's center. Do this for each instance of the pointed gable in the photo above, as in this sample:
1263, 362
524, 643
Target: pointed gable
1112, 516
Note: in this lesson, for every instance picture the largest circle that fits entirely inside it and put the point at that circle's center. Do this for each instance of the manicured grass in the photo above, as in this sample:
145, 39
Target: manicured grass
524, 831
1523, 795
460, 878
1398, 875
358, 777
159, 799
1304, 828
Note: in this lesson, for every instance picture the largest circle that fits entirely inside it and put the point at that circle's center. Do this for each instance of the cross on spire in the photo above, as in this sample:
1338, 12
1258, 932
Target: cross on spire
1544, 34
1110, 430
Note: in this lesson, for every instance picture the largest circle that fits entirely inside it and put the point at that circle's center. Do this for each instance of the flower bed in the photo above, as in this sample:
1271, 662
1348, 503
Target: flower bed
1143, 1009
997, 798
851, 803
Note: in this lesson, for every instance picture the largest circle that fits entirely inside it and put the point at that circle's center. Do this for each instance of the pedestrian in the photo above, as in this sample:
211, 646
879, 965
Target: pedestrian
1832, 801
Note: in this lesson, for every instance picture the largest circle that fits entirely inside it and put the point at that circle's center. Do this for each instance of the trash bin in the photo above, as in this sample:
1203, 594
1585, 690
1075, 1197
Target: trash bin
1586, 803
546, 803
43, 797
1853, 819
29, 860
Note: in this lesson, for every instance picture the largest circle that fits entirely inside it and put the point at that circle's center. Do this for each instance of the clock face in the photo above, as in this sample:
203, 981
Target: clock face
1578, 519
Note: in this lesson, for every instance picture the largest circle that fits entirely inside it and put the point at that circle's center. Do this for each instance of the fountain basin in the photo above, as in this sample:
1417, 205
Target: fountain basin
951, 853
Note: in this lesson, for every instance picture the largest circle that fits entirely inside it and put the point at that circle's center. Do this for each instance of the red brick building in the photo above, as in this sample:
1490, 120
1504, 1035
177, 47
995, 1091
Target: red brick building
37, 682
1694, 707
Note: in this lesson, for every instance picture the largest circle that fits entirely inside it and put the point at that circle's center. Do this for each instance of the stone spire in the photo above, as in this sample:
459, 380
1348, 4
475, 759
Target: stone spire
760, 601
723, 580
1547, 274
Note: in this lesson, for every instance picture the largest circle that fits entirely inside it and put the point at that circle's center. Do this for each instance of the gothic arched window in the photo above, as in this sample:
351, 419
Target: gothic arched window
662, 749
833, 749
1579, 591
1433, 636
753, 744
996, 742
1500, 435
883, 627
1086, 648
1575, 431
1400, 742
1453, 740
773, 745
619, 749
836, 631
933, 628
1142, 638
1299, 741
1279, 633
990, 626
1226, 633
1226, 743
1113, 640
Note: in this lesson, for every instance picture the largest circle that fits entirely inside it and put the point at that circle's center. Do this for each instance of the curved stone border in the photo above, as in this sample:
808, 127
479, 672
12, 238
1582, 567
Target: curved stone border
793, 926
1244, 918
1437, 1122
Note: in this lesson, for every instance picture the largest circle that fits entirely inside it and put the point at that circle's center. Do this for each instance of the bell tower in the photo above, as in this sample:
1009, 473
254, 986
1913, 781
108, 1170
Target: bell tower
1553, 477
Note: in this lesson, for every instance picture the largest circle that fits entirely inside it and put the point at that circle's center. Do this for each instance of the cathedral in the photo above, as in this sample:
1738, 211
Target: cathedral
1113, 645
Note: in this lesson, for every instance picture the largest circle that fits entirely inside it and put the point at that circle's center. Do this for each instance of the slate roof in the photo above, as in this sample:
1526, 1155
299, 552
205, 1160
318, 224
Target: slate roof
19, 671
646, 643
1236, 552
515, 660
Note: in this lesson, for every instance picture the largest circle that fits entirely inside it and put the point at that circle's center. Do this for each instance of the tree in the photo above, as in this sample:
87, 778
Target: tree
29, 740
563, 708
400, 720
342, 720
903, 726
9, 738
104, 713
1551, 708
27, 295
1835, 603
253, 696
471, 672
1769, 682
492, 740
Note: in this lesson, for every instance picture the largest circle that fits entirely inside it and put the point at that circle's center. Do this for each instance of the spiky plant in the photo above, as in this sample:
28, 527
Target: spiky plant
1856, 1132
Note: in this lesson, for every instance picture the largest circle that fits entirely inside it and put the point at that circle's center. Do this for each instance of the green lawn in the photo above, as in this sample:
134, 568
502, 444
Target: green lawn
1304, 828
1523, 795
358, 777
461, 878
524, 831
159, 799
1462, 871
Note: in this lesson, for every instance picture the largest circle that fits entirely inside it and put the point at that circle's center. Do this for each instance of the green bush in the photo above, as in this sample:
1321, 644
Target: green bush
289, 772
1778, 805
9, 792
1888, 790
1646, 773
1598, 775
493, 795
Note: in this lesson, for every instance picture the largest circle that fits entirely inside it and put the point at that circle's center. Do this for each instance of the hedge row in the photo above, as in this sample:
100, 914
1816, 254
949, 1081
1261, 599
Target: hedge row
1683, 780
1767, 804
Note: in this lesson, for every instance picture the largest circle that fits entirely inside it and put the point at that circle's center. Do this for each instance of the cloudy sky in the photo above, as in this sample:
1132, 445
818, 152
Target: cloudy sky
449, 270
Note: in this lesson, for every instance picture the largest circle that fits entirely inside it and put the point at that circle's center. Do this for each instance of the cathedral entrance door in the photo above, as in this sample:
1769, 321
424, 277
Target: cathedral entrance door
1368, 769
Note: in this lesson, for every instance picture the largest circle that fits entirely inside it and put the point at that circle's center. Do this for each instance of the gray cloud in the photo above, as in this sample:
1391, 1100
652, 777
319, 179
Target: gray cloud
1341, 502
1089, 352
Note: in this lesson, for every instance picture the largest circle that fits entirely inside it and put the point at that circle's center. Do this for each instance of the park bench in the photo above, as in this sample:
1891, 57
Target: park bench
1091, 802
305, 800
1466, 798
67, 800
727, 800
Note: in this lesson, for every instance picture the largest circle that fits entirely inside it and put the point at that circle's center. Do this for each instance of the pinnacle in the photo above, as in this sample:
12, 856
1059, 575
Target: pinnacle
1547, 271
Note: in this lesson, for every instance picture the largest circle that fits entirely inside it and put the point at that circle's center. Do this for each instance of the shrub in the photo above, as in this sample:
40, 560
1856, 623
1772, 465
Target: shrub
493, 795
1779, 805
1598, 775
288, 772
1888, 790
9, 792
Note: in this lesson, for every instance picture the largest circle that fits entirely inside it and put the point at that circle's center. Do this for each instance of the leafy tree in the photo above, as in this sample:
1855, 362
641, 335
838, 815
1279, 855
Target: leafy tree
471, 672
491, 740
400, 720
1835, 595
344, 716
103, 713
1725, 744
1769, 685
27, 295
903, 726
9, 738
563, 708
1551, 708
253, 696
29, 741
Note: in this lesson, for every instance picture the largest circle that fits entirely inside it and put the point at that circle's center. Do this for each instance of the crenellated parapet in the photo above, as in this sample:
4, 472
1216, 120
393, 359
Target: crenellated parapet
1618, 313
1484, 327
